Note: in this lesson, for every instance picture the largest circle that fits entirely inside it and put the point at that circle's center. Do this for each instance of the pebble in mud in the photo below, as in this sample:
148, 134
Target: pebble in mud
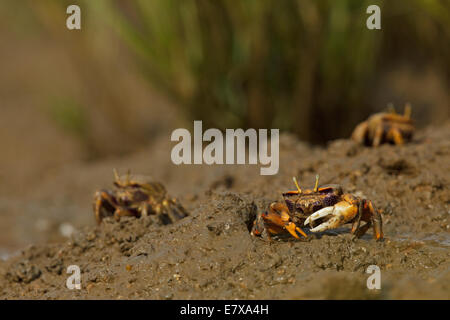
24, 272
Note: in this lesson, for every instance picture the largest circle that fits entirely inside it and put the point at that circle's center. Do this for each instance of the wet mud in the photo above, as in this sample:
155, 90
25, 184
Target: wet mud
211, 255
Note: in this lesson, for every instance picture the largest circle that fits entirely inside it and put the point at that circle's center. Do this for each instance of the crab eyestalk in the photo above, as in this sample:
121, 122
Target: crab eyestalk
407, 111
118, 182
296, 184
316, 186
116, 176
128, 177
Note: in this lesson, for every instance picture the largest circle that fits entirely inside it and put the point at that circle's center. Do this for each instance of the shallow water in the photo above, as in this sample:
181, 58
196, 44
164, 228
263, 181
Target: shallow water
440, 239
5, 254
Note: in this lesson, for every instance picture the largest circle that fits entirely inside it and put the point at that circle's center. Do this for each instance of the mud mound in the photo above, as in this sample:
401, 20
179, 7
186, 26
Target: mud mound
210, 254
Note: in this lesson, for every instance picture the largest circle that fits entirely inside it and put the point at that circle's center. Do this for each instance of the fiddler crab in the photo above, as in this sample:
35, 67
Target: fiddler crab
137, 196
385, 127
322, 208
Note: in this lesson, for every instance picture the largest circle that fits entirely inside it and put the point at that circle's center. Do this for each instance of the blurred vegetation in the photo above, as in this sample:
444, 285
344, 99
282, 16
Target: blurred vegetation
68, 115
304, 66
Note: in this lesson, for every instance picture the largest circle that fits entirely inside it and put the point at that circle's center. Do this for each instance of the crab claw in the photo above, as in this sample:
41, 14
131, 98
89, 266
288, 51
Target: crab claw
341, 213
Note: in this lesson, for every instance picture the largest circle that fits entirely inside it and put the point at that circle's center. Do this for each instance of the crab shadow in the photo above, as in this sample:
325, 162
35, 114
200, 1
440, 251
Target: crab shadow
337, 232
319, 235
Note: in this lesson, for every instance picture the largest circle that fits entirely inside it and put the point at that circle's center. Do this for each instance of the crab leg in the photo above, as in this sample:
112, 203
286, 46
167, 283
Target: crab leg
293, 229
376, 220
288, 225
341, 213
176, 211
360, 132
396, 136
362, 230
103, 198
378, 136
121, 212
357, 223
277, 220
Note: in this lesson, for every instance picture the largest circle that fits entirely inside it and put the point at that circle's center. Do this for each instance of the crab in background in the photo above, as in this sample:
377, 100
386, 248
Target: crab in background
385, 127
137, 196
322, 208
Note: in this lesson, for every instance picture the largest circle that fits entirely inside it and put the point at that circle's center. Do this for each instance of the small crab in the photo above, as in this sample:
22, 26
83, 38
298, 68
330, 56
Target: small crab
385, 127
137, 196
328, 206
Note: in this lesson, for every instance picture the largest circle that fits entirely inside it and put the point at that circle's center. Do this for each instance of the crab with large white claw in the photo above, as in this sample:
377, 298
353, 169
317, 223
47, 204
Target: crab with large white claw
350, 210
322, 208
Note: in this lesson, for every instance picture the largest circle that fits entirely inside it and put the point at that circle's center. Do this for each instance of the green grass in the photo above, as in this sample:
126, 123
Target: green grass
305, 66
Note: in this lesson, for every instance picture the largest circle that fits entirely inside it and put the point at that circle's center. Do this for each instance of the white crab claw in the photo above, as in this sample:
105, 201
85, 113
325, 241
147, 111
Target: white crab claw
338, 215
319, 214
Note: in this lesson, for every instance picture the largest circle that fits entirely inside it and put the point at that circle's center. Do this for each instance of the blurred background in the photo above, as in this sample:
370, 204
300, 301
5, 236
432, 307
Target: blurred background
139, 69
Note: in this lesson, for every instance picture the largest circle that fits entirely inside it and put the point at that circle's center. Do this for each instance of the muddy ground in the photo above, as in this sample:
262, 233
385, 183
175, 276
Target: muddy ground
210, 254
